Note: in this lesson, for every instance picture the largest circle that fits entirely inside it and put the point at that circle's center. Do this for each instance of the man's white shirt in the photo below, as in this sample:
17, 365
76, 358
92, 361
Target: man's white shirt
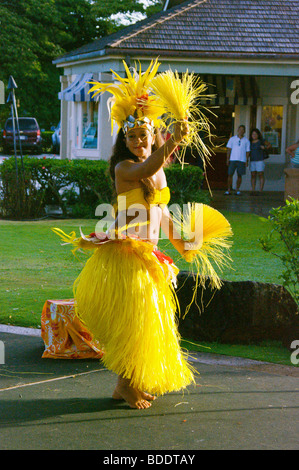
238, 147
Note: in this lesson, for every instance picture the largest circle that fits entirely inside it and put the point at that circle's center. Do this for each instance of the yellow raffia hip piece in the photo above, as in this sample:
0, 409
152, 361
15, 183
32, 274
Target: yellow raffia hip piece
125, 297
83, 242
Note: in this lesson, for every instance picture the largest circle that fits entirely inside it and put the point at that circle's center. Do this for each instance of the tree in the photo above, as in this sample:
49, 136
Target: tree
285, 223
27, 50
34, 33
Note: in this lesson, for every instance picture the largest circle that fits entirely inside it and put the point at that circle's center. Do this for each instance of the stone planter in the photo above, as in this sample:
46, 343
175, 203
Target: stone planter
240, 312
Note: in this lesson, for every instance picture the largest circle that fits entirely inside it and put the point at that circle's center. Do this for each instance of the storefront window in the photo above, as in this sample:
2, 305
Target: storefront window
271, 126
90, 125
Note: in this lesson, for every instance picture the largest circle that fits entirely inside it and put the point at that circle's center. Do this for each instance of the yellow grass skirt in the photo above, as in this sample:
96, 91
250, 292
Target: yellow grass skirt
125, 296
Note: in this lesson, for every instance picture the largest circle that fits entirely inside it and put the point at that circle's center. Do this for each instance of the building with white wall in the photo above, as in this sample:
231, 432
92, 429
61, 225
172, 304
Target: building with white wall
247, 50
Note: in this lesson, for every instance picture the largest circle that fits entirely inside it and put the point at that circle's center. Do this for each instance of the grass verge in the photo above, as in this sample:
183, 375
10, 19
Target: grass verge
267, 351
34, 267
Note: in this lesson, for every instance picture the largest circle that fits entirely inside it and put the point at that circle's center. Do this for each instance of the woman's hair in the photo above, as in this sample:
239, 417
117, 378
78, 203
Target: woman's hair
258, 133
121, 152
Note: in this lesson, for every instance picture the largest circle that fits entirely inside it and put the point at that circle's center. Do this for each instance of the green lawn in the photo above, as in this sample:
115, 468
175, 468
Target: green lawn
269, 351
35, 267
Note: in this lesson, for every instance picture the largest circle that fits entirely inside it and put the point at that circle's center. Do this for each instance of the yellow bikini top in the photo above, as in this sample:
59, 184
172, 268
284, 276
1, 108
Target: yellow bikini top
135, 198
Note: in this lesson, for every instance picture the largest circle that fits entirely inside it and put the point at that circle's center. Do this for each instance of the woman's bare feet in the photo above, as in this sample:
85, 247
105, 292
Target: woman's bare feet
135, 398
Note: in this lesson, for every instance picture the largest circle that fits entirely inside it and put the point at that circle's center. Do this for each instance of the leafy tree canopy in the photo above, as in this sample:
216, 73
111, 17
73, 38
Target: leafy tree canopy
34, 33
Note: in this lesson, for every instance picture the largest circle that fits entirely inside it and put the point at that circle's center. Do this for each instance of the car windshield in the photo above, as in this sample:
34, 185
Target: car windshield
24, 124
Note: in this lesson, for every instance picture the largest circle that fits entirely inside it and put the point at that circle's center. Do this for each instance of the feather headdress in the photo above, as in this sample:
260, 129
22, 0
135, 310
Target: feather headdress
158, 101
131, 104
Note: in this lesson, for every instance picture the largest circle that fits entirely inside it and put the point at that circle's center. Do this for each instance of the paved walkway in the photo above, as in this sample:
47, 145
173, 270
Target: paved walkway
259, 204
236, 403
50, 404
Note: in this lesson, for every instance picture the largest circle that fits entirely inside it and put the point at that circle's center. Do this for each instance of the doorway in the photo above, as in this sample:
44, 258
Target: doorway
223, 122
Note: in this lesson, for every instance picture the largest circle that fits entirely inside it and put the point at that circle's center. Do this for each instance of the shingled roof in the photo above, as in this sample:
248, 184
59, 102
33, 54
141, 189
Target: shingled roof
209, 28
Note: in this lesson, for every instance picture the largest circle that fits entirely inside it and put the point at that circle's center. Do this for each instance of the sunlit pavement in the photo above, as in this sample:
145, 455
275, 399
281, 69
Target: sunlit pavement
53, 404
259, 204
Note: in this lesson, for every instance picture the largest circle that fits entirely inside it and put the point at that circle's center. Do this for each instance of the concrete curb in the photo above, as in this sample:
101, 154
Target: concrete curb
199, 357
19, 330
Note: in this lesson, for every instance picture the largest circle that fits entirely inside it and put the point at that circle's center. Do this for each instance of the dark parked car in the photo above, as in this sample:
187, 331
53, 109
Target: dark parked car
30, 135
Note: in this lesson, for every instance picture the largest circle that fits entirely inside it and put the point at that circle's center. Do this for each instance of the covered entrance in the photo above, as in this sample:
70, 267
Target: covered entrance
235, 103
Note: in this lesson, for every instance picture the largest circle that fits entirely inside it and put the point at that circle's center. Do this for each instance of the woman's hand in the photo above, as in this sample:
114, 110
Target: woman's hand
181, 130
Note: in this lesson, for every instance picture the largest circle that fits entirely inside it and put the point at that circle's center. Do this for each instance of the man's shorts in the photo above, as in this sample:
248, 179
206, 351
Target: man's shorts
236, 165
257, 166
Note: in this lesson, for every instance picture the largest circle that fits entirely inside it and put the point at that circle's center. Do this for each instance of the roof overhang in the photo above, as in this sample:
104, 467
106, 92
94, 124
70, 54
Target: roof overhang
198, 62
201, 54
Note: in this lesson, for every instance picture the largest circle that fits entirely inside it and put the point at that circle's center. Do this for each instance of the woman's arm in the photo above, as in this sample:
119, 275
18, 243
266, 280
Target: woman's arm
132, 171
167, 225
169, 230
265, 144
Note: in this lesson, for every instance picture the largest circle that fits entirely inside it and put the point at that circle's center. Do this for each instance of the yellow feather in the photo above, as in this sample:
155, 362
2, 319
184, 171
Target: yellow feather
114, 89
131, 95
71, 238
209, 251
180, 97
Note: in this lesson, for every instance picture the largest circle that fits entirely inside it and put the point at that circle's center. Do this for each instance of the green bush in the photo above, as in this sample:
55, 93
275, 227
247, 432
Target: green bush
76, 186
285, 222
185, 185
52, 181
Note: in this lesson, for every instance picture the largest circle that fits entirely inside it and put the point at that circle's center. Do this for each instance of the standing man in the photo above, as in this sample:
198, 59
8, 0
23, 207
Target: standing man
238, 151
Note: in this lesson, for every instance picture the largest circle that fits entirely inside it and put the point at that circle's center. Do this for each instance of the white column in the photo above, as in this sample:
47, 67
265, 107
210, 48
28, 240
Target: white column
104, 126
64, 119
79, 120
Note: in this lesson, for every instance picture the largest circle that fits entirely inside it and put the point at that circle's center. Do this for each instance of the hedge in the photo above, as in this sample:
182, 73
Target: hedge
77, 186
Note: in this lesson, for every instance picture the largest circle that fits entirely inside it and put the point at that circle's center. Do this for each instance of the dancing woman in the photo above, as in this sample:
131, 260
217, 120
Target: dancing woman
125, 293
